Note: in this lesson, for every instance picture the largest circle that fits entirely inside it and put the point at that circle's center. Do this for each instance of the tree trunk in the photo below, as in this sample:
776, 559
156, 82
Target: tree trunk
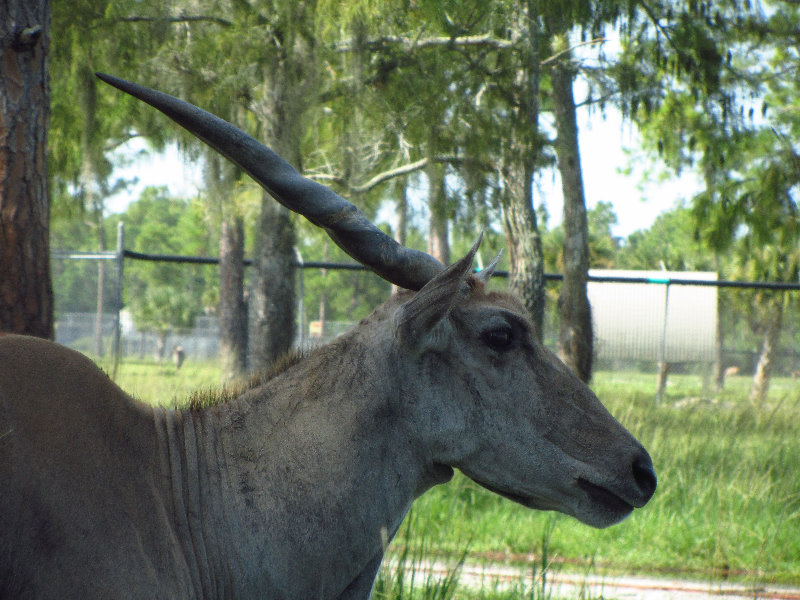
288, 87
661, 380
90, 190
101, 284
438, 244
355, 297
273, 296
517, 168
220, 179
718, 365
161, 344
575, 333
524, 243
232, 306
323, 297
26, 295
401, 187
769, 348
402, 212
719, 333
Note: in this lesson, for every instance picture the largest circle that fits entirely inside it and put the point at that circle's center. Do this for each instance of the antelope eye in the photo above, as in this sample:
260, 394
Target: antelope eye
498, 338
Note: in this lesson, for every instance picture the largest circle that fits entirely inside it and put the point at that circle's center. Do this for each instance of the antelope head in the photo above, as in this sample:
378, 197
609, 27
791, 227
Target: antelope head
495, 403
502, 408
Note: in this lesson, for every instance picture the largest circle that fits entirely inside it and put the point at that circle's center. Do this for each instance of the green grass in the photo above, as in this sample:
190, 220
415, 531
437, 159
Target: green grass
407, 573
727, 505
728, 502
161, 383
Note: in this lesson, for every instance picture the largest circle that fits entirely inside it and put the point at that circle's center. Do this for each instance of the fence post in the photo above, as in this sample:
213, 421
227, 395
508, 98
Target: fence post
119, 258
663, 366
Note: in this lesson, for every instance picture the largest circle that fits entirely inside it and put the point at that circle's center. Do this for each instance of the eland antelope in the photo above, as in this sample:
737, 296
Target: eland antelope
291, 487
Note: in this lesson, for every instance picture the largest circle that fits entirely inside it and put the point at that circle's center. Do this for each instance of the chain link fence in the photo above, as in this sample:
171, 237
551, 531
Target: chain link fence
641, 319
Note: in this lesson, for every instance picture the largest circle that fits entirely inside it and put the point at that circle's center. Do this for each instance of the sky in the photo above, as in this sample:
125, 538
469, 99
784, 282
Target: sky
614, 171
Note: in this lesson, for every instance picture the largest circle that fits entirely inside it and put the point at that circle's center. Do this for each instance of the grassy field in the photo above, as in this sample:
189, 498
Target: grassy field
728, 502
727, 505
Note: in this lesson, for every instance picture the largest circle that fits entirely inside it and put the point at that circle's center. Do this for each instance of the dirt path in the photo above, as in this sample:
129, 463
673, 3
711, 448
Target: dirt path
567, 586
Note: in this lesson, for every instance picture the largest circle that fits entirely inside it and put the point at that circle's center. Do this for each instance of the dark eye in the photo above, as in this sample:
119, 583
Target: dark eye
498, 338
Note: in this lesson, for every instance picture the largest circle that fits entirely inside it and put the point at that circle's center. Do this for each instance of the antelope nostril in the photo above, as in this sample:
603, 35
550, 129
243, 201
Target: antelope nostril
645, 475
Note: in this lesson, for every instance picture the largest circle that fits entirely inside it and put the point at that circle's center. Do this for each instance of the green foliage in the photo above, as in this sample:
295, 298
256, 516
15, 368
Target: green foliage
347, 295
603, 246
668, 244
86, 119
370, 87
164, 296
698, 109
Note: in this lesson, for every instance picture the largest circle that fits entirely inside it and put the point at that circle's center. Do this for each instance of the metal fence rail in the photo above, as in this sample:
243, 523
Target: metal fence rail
668, 337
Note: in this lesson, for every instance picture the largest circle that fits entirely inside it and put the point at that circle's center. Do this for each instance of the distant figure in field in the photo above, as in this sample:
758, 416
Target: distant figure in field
178, 356
730, 371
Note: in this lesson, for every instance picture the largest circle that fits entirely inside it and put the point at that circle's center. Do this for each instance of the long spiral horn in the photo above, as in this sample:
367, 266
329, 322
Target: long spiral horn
345, 223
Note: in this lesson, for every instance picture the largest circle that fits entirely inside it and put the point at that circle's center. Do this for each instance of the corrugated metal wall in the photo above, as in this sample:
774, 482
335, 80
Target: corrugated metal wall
655, 321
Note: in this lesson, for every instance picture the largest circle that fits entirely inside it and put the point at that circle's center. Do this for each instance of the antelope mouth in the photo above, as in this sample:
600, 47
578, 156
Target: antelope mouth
526, 501
605, 497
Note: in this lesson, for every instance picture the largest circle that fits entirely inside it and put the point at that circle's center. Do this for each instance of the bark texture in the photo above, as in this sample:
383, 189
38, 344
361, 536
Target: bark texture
438, 244
575, 331
232, 306
272, 300
517, 168
272, 306
221, 177
26, 297
524, 242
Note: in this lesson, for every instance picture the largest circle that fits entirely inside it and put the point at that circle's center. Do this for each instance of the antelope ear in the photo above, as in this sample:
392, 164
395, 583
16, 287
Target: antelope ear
417, 319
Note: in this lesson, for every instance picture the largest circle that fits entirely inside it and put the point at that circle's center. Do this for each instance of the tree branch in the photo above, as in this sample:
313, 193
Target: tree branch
408, 43
599, 40
178, 19
123, 140
657, 22
466, 41
394, 172
390, 174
